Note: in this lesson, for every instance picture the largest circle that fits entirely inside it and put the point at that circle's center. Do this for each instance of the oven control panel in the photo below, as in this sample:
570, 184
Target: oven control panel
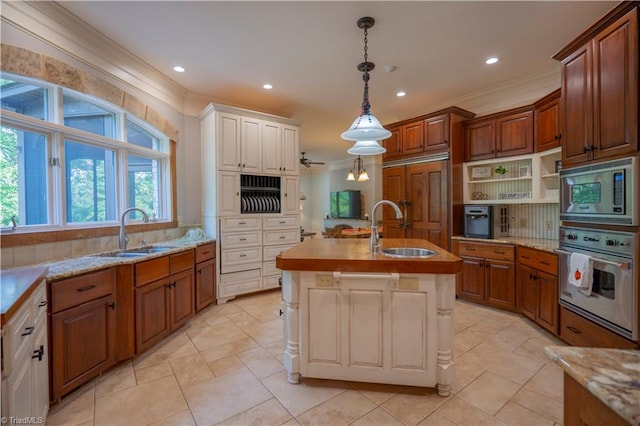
596, 239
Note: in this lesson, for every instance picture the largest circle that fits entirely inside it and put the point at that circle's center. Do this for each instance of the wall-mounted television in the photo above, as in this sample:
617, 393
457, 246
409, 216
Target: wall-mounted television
345, 204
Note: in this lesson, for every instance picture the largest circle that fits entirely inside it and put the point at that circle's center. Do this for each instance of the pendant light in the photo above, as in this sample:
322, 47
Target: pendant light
361, 173
366, 130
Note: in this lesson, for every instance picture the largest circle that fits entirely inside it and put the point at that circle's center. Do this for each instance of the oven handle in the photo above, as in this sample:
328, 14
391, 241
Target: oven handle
622, 265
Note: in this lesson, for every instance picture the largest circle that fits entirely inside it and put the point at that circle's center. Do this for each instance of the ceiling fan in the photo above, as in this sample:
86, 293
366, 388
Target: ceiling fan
307, 162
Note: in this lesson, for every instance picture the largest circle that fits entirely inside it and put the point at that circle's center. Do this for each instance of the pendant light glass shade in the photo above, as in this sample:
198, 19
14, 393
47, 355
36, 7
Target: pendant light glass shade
351, 176
366, 148
363, 176
366, 127
361, 172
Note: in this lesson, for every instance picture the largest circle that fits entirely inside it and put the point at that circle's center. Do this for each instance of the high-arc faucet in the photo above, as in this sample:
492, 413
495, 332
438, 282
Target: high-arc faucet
123, 238
375, 237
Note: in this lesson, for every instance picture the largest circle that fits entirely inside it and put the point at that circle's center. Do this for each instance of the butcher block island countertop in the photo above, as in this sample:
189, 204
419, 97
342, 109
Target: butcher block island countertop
353, 315
353, 255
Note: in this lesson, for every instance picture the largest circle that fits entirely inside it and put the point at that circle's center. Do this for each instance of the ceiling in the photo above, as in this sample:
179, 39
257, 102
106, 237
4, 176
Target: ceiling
309, 52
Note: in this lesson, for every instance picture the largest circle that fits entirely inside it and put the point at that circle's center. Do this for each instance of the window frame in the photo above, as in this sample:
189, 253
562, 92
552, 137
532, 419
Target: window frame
58, 229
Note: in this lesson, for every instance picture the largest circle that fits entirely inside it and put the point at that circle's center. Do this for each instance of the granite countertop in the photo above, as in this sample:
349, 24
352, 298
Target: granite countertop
536, 243
611, 375
16, 286
353, 255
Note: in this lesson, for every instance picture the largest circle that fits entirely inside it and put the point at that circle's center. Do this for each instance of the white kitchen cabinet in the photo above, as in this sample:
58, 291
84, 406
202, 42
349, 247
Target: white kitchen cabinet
227, 140
251, 146
290, 151
369, 327
281, 151
291, 195
229, 190
25, 370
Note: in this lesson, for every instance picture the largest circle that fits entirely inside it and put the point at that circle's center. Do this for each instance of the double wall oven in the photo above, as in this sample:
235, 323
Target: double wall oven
603, 194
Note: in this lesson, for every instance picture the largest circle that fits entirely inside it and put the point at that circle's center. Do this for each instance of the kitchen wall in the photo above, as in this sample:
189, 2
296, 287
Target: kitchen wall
534, 220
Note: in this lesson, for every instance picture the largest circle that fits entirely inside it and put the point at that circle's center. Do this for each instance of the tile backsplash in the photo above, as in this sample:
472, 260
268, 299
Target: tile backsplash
11, 257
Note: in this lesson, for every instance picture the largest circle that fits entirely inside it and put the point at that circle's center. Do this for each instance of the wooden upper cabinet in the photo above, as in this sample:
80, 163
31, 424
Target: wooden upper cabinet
514, 134
479, 139
436, 133
393, 144
413, 138
599, 104
546, 118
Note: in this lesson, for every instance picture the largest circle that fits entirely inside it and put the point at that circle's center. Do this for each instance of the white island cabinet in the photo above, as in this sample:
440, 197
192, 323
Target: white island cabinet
367, 317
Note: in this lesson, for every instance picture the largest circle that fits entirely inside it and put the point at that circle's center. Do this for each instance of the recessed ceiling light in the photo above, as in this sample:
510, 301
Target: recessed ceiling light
178, 68
492, 60
267, 86
401, 94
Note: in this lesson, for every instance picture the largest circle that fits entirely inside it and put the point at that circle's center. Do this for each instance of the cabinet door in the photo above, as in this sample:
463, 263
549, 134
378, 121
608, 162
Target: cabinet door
426, 189
228, 142
393, 144
291, 198
577, 106
514, 134
615, 88
290, 151
251, 145
181, 307
479, 140
205, 284
413, 138
436, 133
40, 374
152, 314
228, 193
527, 294
393, 188
547, 126
472, 287
271, 148
83, 343
500, 284
19, 391
547, 313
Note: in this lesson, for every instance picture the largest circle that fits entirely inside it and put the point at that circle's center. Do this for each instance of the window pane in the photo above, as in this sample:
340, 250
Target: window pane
24, 98
143, 185
90, 181
86, 116
23, 177
138, 136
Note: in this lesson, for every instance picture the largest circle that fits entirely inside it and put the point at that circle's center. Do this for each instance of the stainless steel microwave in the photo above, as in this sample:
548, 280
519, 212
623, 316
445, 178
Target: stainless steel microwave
601, 193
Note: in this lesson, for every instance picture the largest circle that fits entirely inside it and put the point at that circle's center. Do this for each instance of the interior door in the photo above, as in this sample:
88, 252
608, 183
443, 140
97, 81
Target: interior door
426, 190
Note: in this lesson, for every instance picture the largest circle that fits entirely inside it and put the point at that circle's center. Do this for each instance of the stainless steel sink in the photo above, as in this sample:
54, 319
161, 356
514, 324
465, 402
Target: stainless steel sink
136, 252
408, 252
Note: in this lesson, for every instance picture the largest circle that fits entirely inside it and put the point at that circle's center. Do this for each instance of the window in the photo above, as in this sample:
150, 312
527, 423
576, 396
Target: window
79, 171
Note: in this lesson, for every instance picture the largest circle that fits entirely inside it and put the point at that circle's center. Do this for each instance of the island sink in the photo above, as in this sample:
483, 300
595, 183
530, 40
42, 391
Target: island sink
408, 252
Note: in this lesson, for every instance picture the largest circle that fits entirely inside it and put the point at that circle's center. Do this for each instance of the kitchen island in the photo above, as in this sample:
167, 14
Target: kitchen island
353, 315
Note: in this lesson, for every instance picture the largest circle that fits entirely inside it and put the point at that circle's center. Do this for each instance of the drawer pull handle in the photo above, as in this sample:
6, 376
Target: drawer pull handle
545, 263
575, 330
112, 305
470, 249
206, 253
243, 255
282, 222
498, 252
525, 257
39, 353
243, 239
42, 304
85, 288
242, 223
27, 331
282, 237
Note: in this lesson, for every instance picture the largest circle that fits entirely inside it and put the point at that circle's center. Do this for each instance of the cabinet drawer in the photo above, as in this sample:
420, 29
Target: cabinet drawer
205, 252
152, 270
280, 222
269, 268
490, 251
281, 237
240, 223
270, 252
272, 281
239, 282
18, 341
244, 239
540, 260
82, 288
579, 331
240, 259
180, 261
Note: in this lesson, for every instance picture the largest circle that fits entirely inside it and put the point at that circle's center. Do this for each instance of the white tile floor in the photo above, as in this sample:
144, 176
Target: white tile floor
224, 367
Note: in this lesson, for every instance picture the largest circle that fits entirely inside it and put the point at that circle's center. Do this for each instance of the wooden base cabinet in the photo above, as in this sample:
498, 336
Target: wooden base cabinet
83, 329
205, 276
537, 287
488, 274
165, 297
581, 407
579, 331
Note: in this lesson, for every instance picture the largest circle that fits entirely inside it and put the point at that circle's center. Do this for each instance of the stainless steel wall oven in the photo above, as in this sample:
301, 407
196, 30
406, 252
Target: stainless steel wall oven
614, 299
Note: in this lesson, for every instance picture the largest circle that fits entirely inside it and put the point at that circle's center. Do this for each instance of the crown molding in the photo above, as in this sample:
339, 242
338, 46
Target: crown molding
53, 25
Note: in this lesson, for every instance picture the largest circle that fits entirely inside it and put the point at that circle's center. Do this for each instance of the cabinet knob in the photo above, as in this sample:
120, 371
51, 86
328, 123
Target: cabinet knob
243, 165
43, 303
112, 305
38, 353
557, 137
238, 164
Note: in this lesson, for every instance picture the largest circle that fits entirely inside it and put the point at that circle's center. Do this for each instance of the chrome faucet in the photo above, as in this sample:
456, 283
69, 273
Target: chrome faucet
375, 237
123, 238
